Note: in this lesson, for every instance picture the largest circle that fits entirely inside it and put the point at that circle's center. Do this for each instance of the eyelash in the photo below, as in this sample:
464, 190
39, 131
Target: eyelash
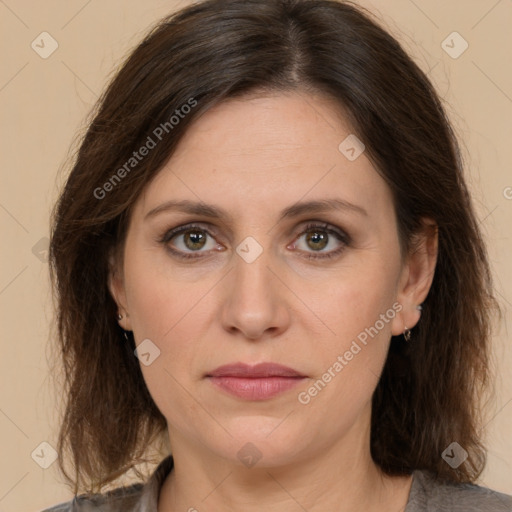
327, 228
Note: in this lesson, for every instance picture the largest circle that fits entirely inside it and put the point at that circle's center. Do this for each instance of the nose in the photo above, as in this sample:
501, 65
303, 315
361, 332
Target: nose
255, 297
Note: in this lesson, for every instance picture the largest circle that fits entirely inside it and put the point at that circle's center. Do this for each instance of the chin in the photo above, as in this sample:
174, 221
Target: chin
262, 441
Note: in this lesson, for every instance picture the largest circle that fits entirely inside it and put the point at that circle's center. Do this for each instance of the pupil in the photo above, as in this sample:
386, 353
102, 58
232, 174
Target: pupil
196, 238
317, 237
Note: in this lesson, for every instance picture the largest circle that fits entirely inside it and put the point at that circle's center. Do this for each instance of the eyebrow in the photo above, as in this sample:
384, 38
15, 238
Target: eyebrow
295, 210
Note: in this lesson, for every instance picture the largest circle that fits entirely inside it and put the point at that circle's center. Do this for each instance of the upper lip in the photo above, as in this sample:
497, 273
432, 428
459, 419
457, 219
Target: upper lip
256, 371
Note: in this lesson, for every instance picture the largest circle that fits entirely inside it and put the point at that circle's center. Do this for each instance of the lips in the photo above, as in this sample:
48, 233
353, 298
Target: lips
260, 382
255, 372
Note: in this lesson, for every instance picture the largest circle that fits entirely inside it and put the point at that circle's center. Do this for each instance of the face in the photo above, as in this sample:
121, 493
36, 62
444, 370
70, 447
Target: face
251, 281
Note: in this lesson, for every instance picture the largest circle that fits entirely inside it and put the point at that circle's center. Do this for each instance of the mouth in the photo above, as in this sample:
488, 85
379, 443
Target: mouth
260, 382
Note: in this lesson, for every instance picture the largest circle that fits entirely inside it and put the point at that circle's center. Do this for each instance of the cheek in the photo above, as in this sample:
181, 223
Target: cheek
163, 312
356, 309
157, 298
353, 298
165, 309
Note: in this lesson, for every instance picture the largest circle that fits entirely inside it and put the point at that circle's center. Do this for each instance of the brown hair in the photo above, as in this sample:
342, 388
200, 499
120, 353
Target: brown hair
428, 394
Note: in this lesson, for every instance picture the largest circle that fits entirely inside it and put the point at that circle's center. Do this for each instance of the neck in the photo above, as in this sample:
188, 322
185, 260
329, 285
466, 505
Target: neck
340, 478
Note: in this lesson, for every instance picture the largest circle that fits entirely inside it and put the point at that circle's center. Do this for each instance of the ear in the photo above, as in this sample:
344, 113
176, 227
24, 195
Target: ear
117, 290
416, 276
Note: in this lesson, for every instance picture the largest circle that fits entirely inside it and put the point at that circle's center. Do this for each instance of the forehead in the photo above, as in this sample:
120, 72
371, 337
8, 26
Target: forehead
272, 150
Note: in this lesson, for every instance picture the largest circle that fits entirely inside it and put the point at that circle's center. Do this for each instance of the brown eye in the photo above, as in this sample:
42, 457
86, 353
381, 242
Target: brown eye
184, 241
194, 239
318, 237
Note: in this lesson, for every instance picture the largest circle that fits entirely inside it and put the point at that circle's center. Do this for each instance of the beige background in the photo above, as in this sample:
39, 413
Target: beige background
44, 103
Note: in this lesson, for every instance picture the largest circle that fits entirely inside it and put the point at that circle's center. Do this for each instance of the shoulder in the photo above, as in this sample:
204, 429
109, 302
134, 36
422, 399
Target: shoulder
122, 499
428, 493
138, 497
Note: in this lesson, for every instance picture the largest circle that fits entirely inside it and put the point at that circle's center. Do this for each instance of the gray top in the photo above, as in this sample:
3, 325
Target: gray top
426, 495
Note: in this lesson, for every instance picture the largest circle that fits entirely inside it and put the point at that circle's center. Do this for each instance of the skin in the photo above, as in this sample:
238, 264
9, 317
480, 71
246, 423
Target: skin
265, 153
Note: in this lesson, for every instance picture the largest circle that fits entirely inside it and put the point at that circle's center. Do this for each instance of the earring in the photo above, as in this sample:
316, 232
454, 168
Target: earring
407, 334
119, 316
419, 307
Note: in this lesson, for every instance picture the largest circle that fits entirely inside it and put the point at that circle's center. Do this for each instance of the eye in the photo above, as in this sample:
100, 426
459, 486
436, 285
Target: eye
190, 238
318, 237
194, 238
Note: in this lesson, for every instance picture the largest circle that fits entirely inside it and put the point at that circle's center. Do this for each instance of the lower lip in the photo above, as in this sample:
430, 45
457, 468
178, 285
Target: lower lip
261, 388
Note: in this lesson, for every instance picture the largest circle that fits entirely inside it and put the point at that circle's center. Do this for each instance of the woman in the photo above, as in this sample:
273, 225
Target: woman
267, 263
